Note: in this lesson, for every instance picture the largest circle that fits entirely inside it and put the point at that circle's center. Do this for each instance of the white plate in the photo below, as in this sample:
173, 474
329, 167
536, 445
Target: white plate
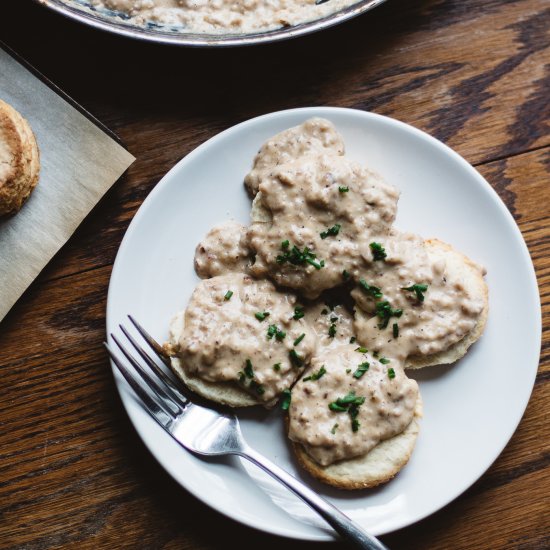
470, 409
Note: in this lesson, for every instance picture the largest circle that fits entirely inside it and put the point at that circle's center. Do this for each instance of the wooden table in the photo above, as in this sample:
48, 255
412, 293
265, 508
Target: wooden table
474, 73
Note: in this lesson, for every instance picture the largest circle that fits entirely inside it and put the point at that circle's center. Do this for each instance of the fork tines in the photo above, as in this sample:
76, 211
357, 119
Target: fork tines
163, 395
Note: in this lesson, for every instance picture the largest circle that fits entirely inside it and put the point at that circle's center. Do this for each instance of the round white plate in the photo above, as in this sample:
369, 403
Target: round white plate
471, 409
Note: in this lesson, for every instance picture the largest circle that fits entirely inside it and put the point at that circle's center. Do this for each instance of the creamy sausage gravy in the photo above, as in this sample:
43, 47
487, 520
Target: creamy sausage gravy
320, 221
223, 16
317, 215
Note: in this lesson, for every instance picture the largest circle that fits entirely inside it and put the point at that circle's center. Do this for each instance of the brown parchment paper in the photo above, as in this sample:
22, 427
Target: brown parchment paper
79, 162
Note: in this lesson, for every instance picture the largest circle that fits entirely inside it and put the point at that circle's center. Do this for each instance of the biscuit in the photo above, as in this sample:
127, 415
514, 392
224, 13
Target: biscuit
378, 466
471, 276
19, 160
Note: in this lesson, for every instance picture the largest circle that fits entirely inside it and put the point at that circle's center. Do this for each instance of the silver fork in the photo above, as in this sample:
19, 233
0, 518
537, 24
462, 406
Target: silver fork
206, 431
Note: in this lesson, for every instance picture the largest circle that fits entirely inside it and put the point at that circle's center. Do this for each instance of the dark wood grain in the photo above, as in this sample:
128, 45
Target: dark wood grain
474, 73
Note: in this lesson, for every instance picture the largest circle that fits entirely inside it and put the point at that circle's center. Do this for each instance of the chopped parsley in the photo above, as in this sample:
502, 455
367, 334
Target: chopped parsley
296, 360
370, 290
332, 330
378, 251
346, 274
300, 338
361, 349
273, 330
316, 375
418, 289
228, 295
348, 371
333, 318
277, 367
384, 361
248, 370
361, 369
261, 315
395, 328
285, 244
385, 312
352, 340
391, 373
341, 189
331, 231
334, 428
324, 311
298, 313
286, 397
350, 404
295, 256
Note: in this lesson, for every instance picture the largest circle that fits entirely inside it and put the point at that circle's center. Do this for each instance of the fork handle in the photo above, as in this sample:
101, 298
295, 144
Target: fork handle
341, 523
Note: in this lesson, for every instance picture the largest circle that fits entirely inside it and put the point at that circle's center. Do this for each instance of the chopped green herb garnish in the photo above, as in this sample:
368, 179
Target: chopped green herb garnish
277, 367
285, 244
333, 319
391, 373
341, 188
418, 289
375, 354
385, 312
371, 290
248, 370
361, 349
395, 328
350, 404
241, 377
300, 338
332, 330
272, 331
384, 361
378, 251
361, 369
228, 295
299, 257
346, 274
286, 397
297, 361
350, 399
331, 231
298, 313
258, 388
348, 371
316, 375
352, 340
324, 311
261, 315
334, 428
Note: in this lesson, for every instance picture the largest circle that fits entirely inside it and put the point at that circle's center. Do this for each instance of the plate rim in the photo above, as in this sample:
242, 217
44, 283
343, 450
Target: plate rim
326, 111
